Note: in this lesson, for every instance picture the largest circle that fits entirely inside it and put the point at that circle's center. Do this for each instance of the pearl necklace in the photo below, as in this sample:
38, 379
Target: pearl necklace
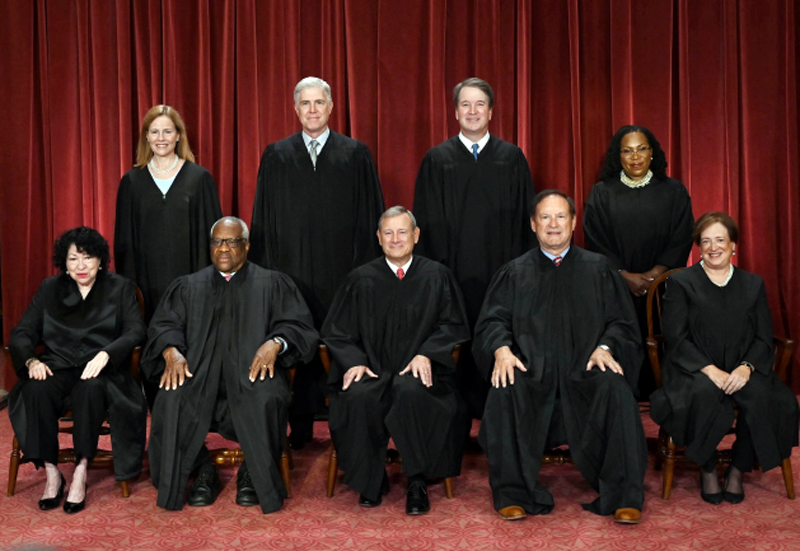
157, 170
724, 283
630, 182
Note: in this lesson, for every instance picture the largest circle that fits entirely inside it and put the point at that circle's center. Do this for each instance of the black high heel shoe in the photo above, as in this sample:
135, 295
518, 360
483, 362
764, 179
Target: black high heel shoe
52, 502
713, 499
72, 508
730, 497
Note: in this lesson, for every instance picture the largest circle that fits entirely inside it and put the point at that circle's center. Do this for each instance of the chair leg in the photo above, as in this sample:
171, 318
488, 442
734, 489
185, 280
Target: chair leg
13, 467
125, 487
788, 477
333, 470
287, 481
669, 469
448, 488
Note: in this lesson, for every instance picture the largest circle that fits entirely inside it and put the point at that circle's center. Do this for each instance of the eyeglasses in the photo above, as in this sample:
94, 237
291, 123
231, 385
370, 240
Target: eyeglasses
641, 151
233, 242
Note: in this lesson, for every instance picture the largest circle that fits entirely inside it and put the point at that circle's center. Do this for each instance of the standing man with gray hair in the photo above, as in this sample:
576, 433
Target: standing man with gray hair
317, 205
472, 196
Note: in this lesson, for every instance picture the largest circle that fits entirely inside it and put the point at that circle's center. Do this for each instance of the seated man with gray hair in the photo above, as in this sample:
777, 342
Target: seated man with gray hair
220, 346
391, 331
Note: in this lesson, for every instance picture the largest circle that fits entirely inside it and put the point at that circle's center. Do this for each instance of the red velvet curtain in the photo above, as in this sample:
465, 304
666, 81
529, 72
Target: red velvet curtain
715, 80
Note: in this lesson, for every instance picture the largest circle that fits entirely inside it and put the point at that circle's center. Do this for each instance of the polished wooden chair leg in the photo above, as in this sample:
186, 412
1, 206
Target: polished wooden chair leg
788, 477
669, 469
125, 487
448, 488
333, 470
13, 467
287, 481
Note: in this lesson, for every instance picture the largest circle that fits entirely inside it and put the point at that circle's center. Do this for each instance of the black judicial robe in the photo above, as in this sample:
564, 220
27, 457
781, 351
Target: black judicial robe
638, 228
316, 225
158, 238
382, 322
553, 318
723, 326
218, 326
73, 330
475, 217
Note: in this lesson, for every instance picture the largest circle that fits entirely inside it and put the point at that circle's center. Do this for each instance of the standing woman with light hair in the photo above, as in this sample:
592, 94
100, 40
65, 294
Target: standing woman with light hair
166, 205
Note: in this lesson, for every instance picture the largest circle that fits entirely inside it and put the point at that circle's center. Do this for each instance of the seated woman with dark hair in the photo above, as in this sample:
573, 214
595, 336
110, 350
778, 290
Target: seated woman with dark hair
89, 323
719, 353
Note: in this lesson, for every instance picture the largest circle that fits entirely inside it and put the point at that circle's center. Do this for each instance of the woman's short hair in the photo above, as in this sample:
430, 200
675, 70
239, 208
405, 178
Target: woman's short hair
143, 151
86, 240
474, 82
612, 166
711, 218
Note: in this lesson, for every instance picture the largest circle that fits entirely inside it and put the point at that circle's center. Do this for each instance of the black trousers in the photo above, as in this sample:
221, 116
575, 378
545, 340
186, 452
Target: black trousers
45, 402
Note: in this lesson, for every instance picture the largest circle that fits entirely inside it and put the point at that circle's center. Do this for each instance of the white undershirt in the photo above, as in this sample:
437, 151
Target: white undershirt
404, 267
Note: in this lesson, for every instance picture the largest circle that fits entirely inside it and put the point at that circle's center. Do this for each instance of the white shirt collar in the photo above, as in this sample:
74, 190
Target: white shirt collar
468, 143
227, 276
553, 256
320, 140
404, 267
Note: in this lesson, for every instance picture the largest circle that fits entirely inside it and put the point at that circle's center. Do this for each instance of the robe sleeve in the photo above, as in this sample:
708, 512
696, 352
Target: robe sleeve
494, 328
206, 212
292, 321
340, 332
124, 231
167, 328
761, 353
369, 207
133, 329
260, 227
681, 349
681, 226
451, 328
429, 211
524, 238
621, 332
27, 335
597, 230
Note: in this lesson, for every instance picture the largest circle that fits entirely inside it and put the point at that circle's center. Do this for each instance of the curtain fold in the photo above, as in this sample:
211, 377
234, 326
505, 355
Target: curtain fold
716, 81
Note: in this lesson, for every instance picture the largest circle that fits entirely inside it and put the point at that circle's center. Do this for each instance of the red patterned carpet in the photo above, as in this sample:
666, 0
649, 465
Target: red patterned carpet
765, 520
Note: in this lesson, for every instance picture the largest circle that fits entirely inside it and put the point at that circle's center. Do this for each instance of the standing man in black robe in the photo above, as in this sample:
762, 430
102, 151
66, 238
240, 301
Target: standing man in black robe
472, 196
558, 335
213, 340
391, 332
317, 204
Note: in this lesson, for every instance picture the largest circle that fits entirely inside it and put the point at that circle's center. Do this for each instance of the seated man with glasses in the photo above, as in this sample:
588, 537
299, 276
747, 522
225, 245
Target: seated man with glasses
220, 346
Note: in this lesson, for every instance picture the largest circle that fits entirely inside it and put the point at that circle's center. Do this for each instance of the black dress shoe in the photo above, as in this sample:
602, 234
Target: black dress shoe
730, 497
71, 508
713, 499
245, 491
52, 502
299, 438
366, 502
205, 487
417, 502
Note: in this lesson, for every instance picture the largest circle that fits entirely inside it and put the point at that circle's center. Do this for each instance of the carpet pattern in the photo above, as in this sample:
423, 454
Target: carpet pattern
766, 520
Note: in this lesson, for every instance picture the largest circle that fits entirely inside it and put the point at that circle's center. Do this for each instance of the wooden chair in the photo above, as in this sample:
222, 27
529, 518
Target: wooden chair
667, 452
392, 456
235, 456
103, 457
